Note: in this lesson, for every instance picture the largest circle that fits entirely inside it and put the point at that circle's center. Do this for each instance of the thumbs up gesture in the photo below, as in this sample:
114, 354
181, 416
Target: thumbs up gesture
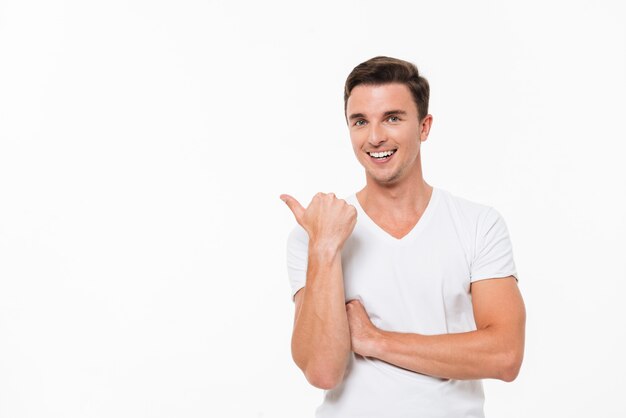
328, 221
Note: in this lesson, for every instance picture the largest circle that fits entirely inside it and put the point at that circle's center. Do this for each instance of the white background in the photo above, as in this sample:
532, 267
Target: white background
144, 144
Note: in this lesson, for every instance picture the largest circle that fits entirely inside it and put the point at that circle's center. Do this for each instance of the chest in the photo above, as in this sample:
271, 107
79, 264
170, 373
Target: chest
407, 285
396, 228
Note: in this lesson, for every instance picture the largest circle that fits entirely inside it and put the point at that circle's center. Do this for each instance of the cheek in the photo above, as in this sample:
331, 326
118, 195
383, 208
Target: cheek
356, 141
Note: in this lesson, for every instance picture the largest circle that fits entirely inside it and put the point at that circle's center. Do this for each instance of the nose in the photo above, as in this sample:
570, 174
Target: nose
376, 135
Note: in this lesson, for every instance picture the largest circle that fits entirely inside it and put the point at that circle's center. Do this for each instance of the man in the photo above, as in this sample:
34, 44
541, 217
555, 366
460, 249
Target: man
405, 295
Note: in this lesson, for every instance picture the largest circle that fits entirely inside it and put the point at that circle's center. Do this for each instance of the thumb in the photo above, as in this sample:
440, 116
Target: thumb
294, 205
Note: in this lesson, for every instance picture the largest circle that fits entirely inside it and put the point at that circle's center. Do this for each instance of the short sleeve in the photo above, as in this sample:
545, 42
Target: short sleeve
297, 258
493, 257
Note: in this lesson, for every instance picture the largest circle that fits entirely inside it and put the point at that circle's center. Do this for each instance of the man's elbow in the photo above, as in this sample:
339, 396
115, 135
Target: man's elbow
322, 372
322, 377
510, 366
326, 380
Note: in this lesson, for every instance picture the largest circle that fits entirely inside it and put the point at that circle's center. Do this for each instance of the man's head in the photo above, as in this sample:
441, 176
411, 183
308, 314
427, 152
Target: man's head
387, 113
386, 70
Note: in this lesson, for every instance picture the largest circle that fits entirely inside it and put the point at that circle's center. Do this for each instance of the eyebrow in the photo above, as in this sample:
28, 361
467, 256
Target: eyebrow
394, 112
387, 113
356, 116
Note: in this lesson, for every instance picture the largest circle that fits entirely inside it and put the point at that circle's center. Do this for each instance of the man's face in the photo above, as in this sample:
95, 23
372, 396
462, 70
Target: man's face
385, 131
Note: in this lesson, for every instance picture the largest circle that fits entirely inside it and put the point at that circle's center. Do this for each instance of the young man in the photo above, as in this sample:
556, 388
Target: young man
405, 295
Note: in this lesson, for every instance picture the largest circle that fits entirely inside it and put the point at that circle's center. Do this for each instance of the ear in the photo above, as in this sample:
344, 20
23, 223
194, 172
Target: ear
425, 125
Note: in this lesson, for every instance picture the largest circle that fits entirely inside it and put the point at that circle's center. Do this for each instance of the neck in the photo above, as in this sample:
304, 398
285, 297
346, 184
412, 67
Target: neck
409, 195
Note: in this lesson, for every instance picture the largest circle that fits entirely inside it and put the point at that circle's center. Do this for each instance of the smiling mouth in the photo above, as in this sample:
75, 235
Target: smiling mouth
382, 154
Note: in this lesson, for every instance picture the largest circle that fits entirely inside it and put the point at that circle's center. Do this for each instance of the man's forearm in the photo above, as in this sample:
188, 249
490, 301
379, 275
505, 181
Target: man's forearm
478, 354
494, 350
321, 338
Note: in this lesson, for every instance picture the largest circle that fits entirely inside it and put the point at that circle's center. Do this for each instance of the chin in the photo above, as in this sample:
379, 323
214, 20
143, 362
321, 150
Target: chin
387, 180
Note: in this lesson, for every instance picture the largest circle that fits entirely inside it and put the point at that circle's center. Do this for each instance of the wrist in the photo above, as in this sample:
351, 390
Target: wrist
324, 249
378, 343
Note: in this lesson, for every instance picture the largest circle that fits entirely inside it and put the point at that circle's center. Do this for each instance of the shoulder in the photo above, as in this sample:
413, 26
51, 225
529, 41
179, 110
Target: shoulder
466, 210
475, 221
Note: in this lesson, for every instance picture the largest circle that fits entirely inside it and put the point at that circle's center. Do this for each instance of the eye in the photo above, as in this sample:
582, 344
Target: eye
393, 119
359, 122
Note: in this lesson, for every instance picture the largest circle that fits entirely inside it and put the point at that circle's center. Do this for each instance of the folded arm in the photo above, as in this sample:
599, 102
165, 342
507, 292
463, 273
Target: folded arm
494, 350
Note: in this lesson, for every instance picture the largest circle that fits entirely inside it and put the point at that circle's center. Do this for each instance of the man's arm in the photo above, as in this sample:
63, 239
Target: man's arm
494, 350
320, 343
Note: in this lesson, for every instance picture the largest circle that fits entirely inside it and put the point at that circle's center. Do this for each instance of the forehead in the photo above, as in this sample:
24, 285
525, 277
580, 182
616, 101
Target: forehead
379, 98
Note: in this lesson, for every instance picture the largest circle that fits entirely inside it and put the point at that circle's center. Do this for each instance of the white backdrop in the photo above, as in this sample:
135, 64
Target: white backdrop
144, 144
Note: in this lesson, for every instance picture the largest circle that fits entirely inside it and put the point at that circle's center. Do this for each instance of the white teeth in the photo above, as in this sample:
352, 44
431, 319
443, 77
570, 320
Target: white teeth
381, 154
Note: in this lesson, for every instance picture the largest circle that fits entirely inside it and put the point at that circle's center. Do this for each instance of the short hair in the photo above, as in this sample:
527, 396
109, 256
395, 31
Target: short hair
385, 70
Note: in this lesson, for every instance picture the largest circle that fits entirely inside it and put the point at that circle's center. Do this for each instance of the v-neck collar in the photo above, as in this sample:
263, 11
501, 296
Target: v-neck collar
419, 226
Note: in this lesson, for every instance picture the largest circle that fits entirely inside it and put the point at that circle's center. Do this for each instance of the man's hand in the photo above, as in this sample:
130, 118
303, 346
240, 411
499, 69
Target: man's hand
328, 221
363, 334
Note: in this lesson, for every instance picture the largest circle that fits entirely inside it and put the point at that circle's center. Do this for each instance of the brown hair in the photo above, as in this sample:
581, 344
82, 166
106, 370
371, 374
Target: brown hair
384, 70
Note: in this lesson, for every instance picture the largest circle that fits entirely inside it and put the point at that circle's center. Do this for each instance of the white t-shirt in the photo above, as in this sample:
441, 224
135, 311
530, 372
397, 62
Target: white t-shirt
418, 284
